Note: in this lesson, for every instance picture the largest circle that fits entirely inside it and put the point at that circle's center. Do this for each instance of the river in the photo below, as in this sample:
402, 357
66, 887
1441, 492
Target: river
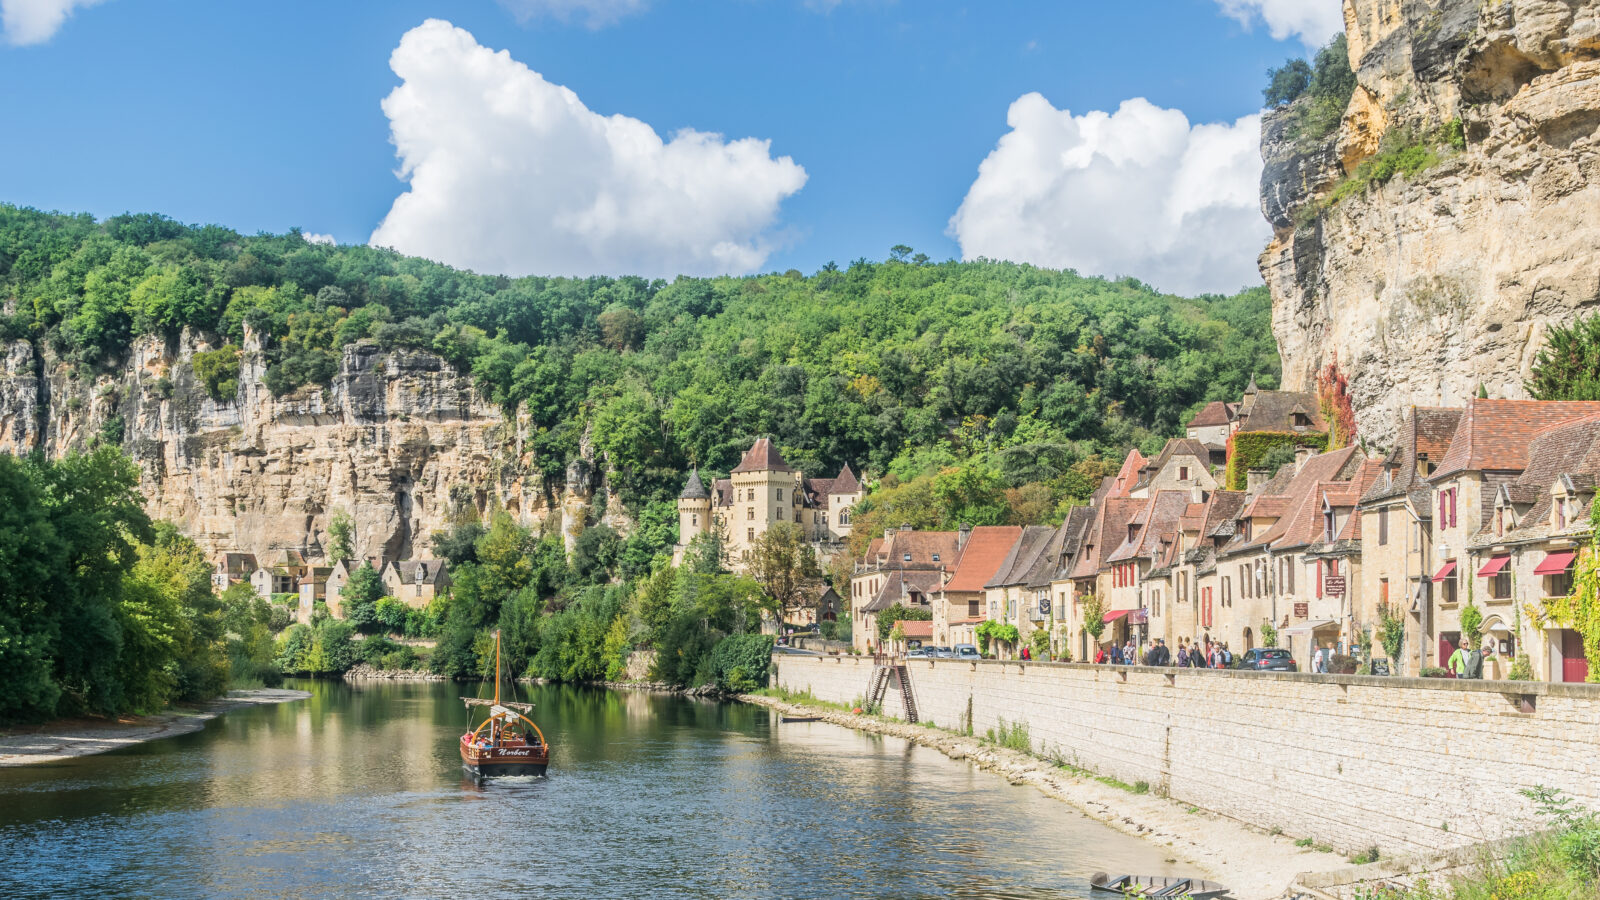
359, 792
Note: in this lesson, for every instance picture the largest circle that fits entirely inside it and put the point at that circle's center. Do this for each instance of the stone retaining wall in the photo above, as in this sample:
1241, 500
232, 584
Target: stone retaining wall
1405, 764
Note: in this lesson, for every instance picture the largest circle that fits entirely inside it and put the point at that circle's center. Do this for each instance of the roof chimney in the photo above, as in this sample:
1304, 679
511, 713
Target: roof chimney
1255, 479
962, 533
1301, 454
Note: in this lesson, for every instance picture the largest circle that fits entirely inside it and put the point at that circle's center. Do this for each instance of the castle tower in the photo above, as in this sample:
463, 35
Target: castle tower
694, 509
764, 491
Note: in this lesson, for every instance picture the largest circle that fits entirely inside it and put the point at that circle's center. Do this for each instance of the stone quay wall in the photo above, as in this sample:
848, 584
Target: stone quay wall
1404, 764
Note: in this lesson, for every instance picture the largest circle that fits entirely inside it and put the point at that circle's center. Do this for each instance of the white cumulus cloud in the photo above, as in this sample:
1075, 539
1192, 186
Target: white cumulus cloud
1137, 192
594, 13
36, 21
311, 237
514, 175
1315, 21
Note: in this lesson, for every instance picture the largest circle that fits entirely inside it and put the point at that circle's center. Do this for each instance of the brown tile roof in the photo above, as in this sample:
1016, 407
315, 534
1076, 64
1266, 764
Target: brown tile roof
1217, 412
762, 457
898, 586
916, 631
1128, 475
905, 549
1494, 434
986, 549
1572, 450
1022, 556
1274, 411
1426, 431
1221, 512
434, 571
846, 482
1120, 512
1173, 448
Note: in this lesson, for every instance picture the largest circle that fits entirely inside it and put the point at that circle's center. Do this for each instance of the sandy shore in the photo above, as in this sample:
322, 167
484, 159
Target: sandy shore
1254, 864
68, 738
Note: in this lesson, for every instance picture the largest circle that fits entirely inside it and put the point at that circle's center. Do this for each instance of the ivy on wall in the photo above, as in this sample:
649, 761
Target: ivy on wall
1246, 449
1580, 609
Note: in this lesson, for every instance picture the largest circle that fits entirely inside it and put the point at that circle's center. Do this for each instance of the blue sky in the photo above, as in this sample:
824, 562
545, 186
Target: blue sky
267, 116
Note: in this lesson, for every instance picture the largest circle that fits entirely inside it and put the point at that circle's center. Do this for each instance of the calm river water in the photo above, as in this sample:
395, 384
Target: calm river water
358, 792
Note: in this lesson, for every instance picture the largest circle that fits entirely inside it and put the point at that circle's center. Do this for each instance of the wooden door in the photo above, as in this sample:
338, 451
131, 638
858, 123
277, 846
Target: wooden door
1574, 665
1447, 647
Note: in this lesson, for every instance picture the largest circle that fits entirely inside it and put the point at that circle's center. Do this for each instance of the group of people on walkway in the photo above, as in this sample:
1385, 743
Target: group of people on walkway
1194, 654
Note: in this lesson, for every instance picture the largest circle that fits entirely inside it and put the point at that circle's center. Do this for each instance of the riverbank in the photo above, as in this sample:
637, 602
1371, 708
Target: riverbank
1255, 865
69, 738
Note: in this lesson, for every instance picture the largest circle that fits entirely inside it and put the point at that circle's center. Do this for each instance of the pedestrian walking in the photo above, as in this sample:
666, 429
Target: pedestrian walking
1183, 653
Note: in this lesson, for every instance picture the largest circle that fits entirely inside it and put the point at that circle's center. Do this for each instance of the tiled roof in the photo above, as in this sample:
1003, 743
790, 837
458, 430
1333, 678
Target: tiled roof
899, 585
1173, 448
906, 549
1217, 412
1048, 561
846, 482
1274, 411
762, 457
1120, 512
1022, 556
1222, 509
695, 489
1426, 431
916, 631
722, 489
434, 571
1494, 434
986, 550
1128, 475
1571, 450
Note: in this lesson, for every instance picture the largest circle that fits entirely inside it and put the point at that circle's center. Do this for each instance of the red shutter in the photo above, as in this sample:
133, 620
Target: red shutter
1453, 507
1319, 579
1444, 513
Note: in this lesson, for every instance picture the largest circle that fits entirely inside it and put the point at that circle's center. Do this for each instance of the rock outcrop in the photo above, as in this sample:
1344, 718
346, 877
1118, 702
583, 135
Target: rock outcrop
398, 439
1428, 286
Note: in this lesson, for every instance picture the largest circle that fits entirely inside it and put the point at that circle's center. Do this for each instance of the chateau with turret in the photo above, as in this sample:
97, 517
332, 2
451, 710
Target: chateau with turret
763, 489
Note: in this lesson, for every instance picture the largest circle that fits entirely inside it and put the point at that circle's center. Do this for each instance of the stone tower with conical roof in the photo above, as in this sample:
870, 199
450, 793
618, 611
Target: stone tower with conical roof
694, 509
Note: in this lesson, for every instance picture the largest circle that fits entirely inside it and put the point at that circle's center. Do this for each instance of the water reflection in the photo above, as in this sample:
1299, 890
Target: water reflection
359, 791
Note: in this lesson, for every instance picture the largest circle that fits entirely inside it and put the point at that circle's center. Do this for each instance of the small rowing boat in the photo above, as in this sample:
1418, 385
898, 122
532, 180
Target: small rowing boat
800, 718
507, 742
1157, 886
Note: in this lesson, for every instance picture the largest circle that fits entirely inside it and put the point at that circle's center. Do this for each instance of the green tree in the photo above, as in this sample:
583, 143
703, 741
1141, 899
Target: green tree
359, 598
971, 495
785, 566
1286, 83
1568, 365
341, 535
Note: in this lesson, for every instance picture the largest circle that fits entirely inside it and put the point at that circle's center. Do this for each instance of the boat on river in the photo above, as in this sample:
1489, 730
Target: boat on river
1158, 886
507, 742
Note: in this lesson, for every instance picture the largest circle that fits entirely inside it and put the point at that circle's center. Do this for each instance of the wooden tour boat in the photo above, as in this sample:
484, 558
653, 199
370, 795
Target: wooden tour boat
1160, 886
507, 742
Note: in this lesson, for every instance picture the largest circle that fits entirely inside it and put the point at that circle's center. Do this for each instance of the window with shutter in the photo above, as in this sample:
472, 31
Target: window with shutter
1383, 526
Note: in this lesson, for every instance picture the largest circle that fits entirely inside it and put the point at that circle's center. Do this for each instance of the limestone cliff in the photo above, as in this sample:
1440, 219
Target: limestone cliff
1427, 286
399, 440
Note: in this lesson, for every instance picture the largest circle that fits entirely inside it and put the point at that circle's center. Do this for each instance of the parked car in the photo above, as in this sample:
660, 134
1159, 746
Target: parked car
917, 653
967, 651
941, 653
1268, 659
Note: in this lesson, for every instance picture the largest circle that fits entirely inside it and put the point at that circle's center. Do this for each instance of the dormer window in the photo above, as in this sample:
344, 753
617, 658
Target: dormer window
936, 557
1561, 512
906, 557
1301, 420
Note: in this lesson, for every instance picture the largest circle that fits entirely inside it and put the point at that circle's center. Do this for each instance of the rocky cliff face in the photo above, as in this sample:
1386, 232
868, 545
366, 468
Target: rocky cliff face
1427, 286
399, 440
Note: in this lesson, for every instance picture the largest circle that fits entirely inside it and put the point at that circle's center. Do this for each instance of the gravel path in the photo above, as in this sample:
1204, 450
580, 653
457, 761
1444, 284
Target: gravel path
1253, 864
68, 738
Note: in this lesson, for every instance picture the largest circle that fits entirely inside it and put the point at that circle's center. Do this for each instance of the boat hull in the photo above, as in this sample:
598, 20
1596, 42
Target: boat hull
512, 759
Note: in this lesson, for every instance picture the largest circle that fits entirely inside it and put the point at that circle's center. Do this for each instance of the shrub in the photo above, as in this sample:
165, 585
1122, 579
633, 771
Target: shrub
1012, 736
1434, 672
1343, 665
218, 371
1248, 449
739, 662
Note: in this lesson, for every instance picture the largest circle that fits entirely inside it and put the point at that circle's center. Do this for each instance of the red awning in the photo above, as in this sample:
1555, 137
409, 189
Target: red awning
1115, 614
1492, 567
1448, 570
1556, 563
